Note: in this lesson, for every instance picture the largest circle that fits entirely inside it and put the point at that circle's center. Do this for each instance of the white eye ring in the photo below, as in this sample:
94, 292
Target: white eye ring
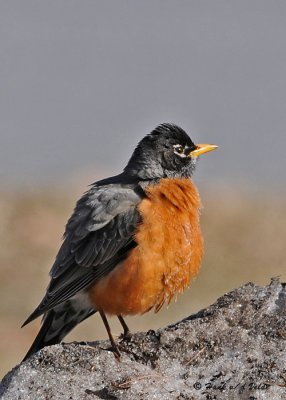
179, 150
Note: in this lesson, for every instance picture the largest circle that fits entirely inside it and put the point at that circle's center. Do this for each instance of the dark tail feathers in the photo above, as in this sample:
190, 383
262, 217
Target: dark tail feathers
58, 322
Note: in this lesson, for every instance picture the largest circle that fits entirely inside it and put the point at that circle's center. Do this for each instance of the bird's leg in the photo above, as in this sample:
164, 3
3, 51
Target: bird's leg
126, 331
114, 346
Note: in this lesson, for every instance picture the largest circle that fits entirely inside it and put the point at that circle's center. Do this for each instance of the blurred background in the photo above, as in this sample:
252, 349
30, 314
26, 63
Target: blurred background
82, 81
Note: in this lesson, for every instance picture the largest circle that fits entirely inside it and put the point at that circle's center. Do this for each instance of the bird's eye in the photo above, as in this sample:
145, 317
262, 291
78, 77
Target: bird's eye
179, 149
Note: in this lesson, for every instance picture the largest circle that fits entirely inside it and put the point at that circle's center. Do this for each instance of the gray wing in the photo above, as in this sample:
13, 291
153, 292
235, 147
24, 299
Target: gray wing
98, 235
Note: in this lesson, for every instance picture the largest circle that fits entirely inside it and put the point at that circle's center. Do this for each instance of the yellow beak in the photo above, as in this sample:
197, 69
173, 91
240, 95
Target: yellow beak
201, 149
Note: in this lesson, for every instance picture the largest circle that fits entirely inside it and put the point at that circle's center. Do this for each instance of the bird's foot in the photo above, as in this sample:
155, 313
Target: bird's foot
115, 350
126, 336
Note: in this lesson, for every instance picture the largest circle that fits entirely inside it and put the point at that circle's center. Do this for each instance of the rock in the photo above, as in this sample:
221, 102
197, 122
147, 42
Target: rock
234, 349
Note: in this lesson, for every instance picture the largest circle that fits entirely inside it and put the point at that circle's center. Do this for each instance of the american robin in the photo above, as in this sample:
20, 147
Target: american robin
132, 243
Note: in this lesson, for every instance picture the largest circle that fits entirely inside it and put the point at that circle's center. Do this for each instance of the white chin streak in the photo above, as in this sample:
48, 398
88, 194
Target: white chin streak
194, 161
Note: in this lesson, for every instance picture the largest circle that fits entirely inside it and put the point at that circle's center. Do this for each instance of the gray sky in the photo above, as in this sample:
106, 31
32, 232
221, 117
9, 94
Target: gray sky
82, 81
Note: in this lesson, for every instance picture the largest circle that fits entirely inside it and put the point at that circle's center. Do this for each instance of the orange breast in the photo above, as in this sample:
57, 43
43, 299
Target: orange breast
168, 255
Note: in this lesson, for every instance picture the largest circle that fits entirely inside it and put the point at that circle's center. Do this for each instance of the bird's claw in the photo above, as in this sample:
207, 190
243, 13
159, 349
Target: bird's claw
114, 350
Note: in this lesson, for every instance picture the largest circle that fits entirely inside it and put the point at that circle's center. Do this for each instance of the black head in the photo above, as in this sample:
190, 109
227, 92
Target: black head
167, 152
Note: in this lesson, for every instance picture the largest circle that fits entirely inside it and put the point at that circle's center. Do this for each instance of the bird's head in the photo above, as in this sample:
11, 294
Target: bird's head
167, 152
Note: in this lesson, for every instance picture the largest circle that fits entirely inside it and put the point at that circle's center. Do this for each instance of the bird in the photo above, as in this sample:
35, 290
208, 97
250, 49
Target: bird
132, 243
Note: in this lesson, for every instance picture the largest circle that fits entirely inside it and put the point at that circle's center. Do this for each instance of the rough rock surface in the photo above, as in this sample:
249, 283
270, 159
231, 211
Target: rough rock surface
235, 349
